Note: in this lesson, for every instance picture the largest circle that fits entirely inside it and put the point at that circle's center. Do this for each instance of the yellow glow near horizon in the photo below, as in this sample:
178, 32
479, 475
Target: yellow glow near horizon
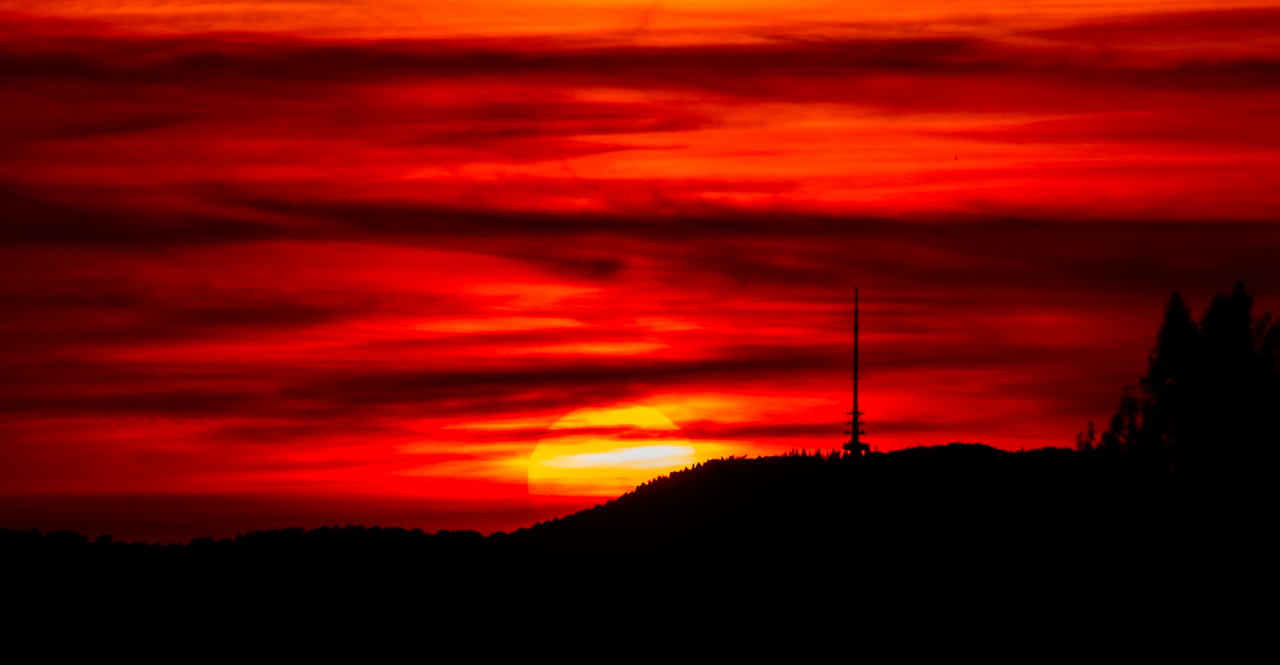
622, 446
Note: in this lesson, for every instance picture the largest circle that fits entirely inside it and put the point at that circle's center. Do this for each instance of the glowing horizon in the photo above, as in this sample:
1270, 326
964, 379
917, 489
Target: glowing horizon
604, 451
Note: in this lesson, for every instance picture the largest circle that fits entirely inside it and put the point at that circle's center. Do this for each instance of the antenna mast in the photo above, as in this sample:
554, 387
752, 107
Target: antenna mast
855, 431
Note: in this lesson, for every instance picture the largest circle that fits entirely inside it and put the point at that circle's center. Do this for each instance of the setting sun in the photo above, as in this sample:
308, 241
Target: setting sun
606, 451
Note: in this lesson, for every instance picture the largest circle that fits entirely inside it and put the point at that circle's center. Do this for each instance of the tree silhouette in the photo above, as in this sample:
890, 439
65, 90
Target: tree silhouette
1210, 397
1085, 442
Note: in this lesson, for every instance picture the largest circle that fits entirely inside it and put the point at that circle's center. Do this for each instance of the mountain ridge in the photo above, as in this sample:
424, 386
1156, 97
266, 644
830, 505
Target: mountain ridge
797, 540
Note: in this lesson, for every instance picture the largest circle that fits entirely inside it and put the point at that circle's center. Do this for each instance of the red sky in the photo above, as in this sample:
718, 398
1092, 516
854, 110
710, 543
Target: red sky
329, 262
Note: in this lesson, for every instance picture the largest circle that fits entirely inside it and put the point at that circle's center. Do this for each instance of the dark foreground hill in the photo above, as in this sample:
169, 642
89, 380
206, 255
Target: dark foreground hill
960, 532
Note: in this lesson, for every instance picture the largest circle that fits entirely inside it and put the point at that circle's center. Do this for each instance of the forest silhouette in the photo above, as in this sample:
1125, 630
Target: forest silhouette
1156, 520
1210, 401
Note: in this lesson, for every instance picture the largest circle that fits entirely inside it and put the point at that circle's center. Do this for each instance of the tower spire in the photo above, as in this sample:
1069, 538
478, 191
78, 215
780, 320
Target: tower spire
856, 431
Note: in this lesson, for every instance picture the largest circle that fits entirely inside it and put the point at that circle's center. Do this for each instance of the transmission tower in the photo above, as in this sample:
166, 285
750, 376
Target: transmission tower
856, 427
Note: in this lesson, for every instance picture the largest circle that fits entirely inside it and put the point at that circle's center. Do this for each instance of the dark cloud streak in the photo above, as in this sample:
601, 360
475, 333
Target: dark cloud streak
211, 61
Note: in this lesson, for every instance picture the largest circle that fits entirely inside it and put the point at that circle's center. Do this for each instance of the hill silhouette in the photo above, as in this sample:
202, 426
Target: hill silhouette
1153, 532
801, 539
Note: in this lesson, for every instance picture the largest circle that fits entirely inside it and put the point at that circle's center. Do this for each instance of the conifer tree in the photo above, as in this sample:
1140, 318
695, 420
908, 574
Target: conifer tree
1211, 392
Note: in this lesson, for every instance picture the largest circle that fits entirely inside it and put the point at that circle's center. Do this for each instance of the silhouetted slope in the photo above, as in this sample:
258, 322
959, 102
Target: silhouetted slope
951, 494
731, 542
907, 527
